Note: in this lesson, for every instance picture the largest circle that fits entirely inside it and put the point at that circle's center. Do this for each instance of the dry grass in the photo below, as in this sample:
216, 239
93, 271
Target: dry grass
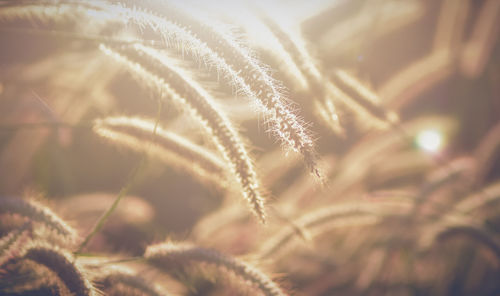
364, 134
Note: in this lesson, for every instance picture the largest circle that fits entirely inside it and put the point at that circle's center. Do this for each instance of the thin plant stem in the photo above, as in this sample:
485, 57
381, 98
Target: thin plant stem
124, 260
124, 191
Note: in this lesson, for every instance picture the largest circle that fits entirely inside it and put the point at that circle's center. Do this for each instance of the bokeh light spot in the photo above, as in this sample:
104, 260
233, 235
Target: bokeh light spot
430, 140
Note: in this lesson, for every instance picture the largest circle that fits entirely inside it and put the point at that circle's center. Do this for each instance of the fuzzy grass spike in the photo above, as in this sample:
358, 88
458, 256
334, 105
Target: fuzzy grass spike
155, 70
168, 255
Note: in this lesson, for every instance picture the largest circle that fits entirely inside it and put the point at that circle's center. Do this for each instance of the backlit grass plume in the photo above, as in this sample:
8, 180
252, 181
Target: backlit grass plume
170, 83
205, 42
139, 134
252, 79
36, 212
11, 243
293, 46
121, 281
321, 220
398, 109
62, 265
168, 256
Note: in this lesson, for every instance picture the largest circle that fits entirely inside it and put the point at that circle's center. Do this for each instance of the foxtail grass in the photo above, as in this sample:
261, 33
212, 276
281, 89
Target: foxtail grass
170, 83
168, 256
37, 212
61, 264
172, 149
121, 281
11, 243
294, 48
323, 219
252, 79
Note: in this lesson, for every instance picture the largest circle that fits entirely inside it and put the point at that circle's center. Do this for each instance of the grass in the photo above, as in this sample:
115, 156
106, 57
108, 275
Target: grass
142, 143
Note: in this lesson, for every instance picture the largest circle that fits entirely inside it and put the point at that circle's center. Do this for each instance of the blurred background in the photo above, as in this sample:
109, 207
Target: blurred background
436, 64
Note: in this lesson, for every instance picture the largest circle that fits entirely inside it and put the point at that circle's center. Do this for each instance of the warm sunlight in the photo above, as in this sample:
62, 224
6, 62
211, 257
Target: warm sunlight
241, 147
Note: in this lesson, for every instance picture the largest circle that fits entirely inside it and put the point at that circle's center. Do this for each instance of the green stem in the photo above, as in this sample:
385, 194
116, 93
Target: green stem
124, 191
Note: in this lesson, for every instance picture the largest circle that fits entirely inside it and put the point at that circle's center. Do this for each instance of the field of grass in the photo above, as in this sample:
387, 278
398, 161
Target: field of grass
322, 147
